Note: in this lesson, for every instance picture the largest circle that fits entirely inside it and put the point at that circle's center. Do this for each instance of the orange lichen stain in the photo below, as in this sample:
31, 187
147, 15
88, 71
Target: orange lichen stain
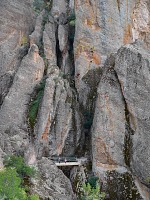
109, 19
127, 34
106, 166
103, 154
96, 58
92, 24
35, 56
46, 131
81, 48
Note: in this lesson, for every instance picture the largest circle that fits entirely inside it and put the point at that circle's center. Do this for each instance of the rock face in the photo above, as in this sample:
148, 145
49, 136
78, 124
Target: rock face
57, 129
141, 22
101, 28
132, 67
13, 122
109, 120
16, 23
94, 100
121, 123
53, 184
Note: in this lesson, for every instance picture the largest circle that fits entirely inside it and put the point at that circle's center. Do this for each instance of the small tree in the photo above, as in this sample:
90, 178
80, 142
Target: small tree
13, 177
90, 193
18, 163
10, 185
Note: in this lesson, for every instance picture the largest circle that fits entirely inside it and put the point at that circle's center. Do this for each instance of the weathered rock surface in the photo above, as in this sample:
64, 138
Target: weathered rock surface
49, 41
133, 67
120, 130
121, 121
78, 176
108, 129
56, 122
16, 23
141, 22
36, 36
13, 113
101, 28
52, 184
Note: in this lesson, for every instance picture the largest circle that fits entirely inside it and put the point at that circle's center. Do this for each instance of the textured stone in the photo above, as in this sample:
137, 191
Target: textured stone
56, 117
13, 122
58, 8
78, 176
52, 184
120, 127
101, 28
108, 129
49, 41
132, 66
141, 22
16, 23
36, 36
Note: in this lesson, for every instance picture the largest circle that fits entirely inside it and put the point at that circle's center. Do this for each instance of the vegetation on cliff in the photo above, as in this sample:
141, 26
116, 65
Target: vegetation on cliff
15, 180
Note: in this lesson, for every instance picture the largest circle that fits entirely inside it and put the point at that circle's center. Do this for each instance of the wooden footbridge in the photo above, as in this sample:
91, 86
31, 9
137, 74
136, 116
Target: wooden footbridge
68, 161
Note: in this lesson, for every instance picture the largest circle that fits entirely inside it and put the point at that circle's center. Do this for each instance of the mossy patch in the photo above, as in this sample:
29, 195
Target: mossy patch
34, 106
121, 187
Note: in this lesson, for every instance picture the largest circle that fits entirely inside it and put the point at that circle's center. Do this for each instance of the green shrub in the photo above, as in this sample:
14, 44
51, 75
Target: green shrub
90, 193
10, 185
72, 18
148, 180
39, 5
93, 181
18, 163
72, 22
13, 179
24, 41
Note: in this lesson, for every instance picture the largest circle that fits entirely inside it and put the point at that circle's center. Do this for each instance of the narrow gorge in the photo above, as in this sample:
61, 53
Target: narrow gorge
74, 86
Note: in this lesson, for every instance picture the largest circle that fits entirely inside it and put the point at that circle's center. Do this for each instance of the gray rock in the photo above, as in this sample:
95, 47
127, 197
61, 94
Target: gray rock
49, 41
108, 129
58, 8
133, 66
101, 28
52, 183
13, 113
141, 22
36, 36
17, 21
55, 119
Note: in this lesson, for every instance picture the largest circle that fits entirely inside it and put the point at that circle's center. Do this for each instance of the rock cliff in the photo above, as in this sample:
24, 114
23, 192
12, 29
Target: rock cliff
74, 81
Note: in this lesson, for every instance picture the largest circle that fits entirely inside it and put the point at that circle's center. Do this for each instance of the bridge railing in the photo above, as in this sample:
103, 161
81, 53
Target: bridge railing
64, 159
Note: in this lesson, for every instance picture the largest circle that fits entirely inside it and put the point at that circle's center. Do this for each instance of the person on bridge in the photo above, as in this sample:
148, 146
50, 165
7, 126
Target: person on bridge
59, 159
65, 160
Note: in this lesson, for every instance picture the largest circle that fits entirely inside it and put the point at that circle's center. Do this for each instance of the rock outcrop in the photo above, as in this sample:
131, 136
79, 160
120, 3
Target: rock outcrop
101, 28
91, 61
58, 125
132, 68
121, 123
17, 22
52, 183
13, 114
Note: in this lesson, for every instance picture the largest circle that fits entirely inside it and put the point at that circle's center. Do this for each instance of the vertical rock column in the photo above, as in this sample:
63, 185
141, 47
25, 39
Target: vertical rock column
13, 113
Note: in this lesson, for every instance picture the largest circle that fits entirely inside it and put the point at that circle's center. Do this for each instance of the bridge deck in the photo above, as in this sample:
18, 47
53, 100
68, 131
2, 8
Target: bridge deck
68, 163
